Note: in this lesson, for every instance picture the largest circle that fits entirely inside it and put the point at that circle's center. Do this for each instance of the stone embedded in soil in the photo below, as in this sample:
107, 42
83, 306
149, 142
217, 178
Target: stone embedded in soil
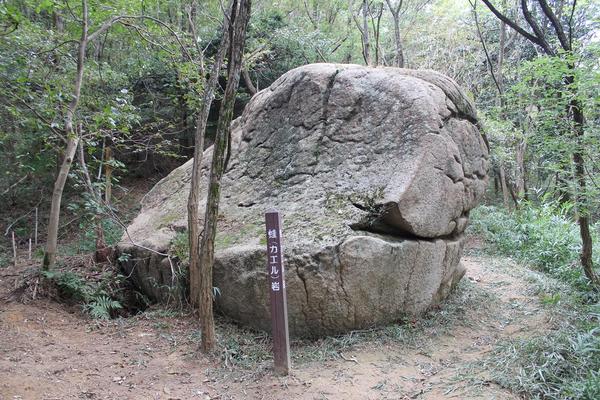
374, 171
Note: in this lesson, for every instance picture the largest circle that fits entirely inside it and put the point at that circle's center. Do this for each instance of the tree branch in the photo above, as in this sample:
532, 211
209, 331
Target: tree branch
571, 24
533, 39
485, 50
14, 184
536, 28
41, 118
310, 17
564, 42
105, 26
57, 46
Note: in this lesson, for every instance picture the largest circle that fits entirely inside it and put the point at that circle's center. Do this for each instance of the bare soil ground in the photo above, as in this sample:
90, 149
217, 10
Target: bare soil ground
50, 351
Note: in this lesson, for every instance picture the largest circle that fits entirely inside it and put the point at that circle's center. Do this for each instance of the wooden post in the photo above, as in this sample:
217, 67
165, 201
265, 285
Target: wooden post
14, 244
277, 290
35, 233
29, 253
108, 167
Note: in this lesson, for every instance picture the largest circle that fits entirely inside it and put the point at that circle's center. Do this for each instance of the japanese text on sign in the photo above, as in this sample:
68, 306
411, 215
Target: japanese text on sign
274, 257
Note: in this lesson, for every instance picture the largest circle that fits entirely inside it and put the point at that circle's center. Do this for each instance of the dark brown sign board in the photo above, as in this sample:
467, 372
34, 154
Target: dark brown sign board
276, 279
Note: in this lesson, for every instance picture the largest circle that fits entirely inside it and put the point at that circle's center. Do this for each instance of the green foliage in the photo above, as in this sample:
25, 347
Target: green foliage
86, 240
564, 364
70, 284
102, 306
96, 297
543, 236
180, 247
537, 114
551, 367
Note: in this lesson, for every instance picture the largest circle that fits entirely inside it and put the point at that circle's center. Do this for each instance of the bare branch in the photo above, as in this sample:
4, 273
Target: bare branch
140, 32
310, 17
42, 118
56, 47
536, 28
564, 42
108, 24
14, 185
105, 26
571, 24
533, 39
485, 50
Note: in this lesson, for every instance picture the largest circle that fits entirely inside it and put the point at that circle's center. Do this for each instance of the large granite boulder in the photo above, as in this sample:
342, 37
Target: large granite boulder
374, 171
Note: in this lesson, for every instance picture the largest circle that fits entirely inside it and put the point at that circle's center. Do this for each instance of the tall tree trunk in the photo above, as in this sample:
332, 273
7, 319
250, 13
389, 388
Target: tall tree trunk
504, 186
236, 48
520, 159
194, 196
72, 143
399, 56
583, 212
501, 52
376, 29
365, 33
59, 185
108, 170
399, 59
248, 81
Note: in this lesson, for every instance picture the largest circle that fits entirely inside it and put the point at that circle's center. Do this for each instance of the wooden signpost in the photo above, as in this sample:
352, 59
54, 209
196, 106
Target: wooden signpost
275, 271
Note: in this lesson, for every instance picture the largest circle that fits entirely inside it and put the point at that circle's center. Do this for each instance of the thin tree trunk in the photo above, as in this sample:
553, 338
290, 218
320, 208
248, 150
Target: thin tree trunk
496, 182
350, 49
194, 196
501, 51
376, 30
399, 57
365, 33
108, 170
58, 22
399, 50
59, 185
504, 186
101, 254
520, 159
72, 143
248, 81
238, 37
581, 195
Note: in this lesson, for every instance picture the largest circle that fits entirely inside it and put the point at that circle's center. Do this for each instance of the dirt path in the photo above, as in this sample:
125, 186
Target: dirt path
47, 352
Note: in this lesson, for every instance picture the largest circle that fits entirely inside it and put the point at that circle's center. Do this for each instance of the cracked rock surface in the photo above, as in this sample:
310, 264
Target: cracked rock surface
374, 170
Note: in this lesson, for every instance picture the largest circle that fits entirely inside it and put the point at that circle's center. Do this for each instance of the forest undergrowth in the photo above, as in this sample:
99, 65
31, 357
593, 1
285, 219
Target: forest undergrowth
563, 363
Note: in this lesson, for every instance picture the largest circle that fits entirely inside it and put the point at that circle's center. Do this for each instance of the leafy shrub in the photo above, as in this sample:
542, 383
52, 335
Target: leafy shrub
180, 247
70, 285
87, 241
94, 295
543, 236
